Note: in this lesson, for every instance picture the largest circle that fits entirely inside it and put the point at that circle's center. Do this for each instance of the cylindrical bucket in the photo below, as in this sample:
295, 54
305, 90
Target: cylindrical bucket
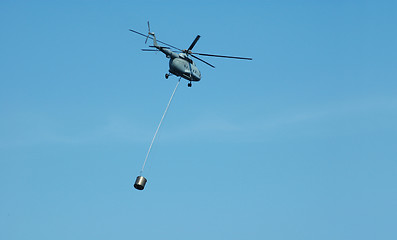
140, 183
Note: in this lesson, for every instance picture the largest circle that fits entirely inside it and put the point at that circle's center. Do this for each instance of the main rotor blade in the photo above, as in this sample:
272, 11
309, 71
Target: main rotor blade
203, 61
160, 47
138, 32
155, 50
168, 44
156, 39
193, 43
222, 56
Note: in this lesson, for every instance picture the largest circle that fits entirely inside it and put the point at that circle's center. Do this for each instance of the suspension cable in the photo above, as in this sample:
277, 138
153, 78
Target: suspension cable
158, 127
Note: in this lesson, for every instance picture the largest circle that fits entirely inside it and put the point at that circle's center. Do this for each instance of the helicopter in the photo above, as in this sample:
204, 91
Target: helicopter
181, 64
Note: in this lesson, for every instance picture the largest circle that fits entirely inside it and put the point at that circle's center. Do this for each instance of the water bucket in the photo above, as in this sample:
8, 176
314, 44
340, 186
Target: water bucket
140, 183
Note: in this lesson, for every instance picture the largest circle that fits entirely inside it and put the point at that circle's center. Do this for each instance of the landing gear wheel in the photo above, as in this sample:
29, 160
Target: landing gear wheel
189, 84
166, 76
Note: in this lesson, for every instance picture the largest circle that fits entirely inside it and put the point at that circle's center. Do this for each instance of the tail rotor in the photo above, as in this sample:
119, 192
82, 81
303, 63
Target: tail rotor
149, 33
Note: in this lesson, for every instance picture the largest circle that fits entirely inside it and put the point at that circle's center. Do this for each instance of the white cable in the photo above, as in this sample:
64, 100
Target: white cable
158, 127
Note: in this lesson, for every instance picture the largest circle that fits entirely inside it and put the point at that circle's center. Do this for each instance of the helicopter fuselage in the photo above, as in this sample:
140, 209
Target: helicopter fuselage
185, 68
180, 65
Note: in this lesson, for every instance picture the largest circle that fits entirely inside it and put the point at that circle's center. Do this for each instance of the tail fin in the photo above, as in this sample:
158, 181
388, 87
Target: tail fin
154, 40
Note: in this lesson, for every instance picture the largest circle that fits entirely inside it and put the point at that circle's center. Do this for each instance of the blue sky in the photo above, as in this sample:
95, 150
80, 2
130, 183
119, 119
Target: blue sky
300, 143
